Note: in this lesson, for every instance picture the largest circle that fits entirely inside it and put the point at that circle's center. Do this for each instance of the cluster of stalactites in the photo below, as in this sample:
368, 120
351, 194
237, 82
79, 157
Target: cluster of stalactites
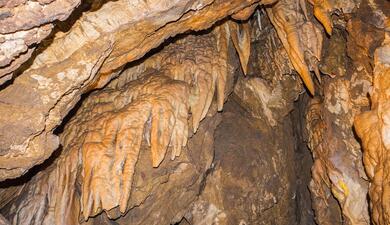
201, 62
158, 107
102, 142
158, 111
111, 125
300, 37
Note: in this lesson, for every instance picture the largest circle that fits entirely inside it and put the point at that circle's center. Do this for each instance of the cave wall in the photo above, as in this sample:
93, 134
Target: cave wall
338, 172
253, 178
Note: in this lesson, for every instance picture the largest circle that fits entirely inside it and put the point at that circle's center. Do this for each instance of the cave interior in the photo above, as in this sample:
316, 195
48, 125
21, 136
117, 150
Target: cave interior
194, 112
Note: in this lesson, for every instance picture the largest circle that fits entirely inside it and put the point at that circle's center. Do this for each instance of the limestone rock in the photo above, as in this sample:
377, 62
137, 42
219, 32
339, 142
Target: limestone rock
111, 112
271, 87
97, 45
23, 24
338, 166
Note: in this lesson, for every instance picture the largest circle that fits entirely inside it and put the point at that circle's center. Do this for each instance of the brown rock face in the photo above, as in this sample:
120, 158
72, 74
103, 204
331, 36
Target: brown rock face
338, 166
249, 184
373, 128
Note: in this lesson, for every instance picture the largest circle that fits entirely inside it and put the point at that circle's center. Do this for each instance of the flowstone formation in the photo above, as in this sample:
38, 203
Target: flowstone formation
338, 171
373, 128
101, 145
112, 112
86, 57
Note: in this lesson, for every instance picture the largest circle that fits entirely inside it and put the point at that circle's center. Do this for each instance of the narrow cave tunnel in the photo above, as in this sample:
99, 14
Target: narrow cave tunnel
194, 112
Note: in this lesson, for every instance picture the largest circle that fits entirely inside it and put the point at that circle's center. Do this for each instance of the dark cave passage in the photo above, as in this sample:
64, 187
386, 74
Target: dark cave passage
260, 175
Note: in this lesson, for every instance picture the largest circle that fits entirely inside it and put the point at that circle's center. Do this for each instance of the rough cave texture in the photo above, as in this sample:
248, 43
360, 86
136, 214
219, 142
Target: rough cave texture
113, 112
23, 25
263, 189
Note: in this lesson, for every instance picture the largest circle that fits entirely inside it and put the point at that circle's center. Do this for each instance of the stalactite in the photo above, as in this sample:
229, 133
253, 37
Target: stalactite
152, 76
299, 37
240, 34
322, 11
